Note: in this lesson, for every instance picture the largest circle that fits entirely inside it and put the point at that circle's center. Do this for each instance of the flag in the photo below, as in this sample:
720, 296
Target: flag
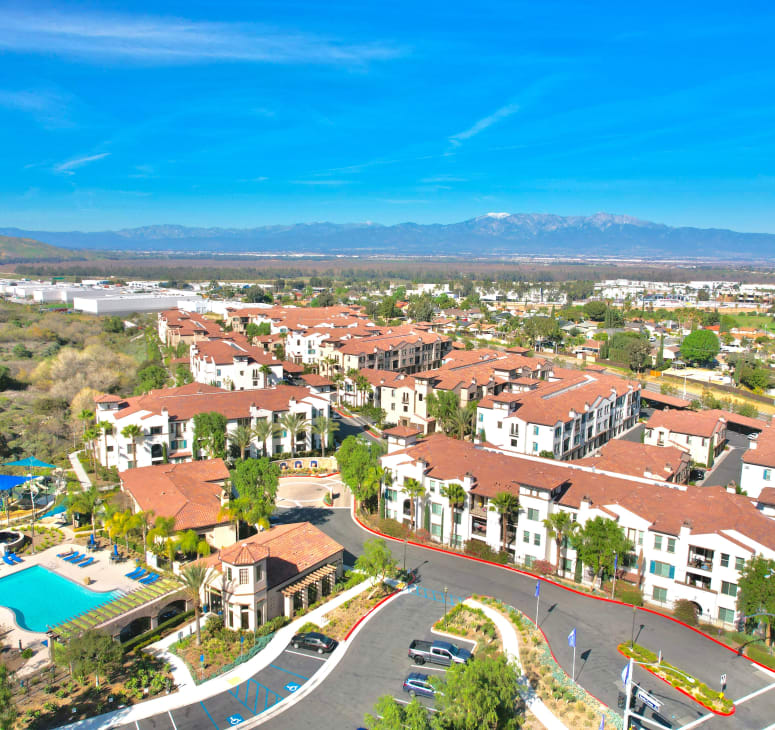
616, 562
602, 722
572, 638
625, 674
538, 588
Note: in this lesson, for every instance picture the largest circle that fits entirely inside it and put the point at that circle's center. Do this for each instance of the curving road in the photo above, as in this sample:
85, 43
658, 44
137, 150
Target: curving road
358, 680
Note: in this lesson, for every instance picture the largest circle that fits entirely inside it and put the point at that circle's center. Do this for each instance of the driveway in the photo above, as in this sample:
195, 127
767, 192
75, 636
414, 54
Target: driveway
729, 468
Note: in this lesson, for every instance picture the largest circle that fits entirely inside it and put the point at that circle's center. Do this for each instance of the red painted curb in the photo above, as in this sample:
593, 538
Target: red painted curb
683, 692
370, 611
559, 585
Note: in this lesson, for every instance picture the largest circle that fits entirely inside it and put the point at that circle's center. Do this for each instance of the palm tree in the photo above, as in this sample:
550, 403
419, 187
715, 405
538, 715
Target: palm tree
266, 371
119, 525
363, 385
456, 496
506, 505
241, 438
414, 490
294, 424
263, 430
338, 379
87, 502
187, 542
352, 374
86, 416
560, 526
106, 428
163, 531
90, 436
134, 433
325, 428
461, 420
194, 578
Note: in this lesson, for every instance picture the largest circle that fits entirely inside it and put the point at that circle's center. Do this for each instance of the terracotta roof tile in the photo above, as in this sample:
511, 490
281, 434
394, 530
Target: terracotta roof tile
694, 423
628, 457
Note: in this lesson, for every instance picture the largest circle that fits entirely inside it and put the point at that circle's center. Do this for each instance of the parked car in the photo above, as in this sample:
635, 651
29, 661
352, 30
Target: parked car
419, 684
438, 652
753, 436
313, 640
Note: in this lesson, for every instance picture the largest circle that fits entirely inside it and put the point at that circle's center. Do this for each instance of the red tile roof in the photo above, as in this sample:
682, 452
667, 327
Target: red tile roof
628, 457
401, 431
223, 352
664, 399
190, 492
316, 380
767, 496
762, 451
693, 423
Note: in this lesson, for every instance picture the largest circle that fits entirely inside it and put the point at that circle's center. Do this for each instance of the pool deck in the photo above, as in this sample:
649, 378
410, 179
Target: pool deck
105, 576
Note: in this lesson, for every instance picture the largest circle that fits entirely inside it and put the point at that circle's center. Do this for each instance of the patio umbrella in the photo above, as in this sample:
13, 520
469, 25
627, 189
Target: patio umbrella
30, 463
7, 483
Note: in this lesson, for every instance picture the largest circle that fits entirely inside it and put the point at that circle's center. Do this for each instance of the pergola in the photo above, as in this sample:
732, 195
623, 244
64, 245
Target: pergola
301, 586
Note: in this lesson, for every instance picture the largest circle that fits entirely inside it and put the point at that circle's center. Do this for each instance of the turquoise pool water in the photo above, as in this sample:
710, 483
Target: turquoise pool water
41, 599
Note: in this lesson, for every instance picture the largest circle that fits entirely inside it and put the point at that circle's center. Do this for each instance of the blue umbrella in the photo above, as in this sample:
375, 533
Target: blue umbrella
31, 463
8, 482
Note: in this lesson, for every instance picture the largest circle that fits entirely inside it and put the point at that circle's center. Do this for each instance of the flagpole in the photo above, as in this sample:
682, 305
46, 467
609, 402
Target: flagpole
613, 587
574, 662
538, 599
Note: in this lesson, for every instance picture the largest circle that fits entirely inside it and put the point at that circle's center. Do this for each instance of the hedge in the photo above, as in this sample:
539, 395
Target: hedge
149, 637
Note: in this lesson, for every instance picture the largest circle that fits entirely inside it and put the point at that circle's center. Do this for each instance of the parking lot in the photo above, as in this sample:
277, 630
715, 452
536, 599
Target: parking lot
249, 696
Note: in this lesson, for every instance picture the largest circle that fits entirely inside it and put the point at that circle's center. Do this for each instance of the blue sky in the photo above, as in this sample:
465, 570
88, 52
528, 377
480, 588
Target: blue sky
247, 113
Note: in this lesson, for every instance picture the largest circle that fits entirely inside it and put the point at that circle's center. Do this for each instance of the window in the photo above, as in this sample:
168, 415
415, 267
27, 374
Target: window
436, 530
228, 573
259, 573
535, 430
657, 542
155, 430
567, 565
391, 495
659, 594
533, 514
458, 517
724, 560
727, 615
537, 539
481, 417
662, 569
526, 537
529, 560
218, 371
739, 563
767, 475
729, 589
435, 508
244, 576
671, 544
535, 446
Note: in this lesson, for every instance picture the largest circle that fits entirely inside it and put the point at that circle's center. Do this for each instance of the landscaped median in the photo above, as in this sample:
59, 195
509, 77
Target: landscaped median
678, 679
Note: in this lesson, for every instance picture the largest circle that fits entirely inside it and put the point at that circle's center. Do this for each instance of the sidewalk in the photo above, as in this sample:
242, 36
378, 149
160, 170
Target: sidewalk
189, 692
80, 472
511, 649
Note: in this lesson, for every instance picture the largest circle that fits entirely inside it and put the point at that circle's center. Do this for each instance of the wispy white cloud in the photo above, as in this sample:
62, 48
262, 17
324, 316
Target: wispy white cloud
68, 166
505, 111
443, 179
48, 108
321, 182
164, 40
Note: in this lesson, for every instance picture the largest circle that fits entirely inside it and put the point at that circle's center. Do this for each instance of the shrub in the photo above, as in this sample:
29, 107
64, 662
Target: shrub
479, 549
543, 567
309, 626
392, 528
422, 535
629, 594
684, 610
27, 653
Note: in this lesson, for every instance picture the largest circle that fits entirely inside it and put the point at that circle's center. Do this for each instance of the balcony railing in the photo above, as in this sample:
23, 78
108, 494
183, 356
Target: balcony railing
478, 511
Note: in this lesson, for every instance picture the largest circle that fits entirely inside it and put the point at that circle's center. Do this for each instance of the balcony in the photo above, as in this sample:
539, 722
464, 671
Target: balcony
478, 528
700, 582
478, 511
700, 558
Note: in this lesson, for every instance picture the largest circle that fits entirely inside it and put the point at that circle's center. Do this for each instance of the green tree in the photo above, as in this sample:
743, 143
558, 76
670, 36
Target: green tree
241, 438
479, 694
188, 542
8, 713
456, 496
86, 502
294, 424
134, 433
194, 578
415, 491
755, 378
113, 324
91, 652
506, 505
325, 428
183, 375
443, 405
560, 527
376, 561
359, 469
210, 435
421, 308
162, 532
701, 346
86, 417
595, 310
596, 543
461, 420
756, 590
151, 377
392, 716
255, 481
264, 430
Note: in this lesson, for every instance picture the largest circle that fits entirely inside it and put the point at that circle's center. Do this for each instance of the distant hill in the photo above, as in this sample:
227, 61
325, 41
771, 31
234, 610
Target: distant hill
493, 234
14, 250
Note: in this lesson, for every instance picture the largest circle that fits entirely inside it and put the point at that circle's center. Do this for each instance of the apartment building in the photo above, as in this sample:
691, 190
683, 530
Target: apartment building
287, 319
687, 542
758, 470
178, 325
568, 417
702, 434
165, 419
667, 464
404, 349
234, 365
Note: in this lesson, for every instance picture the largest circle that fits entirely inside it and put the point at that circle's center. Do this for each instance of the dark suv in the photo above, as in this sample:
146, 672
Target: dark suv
313, 640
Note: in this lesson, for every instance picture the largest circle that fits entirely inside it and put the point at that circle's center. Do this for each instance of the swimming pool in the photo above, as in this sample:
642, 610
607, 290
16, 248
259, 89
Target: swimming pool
41, 599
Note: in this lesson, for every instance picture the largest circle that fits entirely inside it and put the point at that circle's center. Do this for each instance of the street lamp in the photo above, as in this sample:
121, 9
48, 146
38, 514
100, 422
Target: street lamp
405, 539
446, 590
632, 633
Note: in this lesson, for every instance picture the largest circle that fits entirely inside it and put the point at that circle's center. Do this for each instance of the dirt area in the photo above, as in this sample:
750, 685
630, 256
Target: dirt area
344, 617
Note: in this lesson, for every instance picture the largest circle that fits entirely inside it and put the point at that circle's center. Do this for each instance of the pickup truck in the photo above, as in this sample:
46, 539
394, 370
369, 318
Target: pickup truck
438, 652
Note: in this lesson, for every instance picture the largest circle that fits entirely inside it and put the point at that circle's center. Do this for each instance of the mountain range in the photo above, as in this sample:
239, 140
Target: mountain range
492, 234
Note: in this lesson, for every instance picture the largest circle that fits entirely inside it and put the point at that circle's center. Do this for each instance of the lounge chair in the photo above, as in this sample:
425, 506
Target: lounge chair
67, 554
135, 573
74, 556
86, 562
151, 578
80, 560
142, 574
7, 560
15, 558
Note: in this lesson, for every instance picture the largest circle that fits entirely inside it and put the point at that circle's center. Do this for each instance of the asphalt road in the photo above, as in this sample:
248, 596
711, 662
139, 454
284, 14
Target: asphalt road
600, 628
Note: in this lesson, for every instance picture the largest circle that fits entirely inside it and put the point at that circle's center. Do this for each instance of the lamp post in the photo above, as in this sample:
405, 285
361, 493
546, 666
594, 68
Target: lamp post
405, 539
445, 601
632, 633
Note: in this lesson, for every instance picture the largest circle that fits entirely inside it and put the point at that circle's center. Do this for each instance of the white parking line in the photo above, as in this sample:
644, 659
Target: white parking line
309, 656
172, 721
434, 669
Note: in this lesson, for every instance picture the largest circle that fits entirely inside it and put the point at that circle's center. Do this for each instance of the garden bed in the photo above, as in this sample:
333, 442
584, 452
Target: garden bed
45, 537
676, 678
471, 624
339, 621
568, 701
